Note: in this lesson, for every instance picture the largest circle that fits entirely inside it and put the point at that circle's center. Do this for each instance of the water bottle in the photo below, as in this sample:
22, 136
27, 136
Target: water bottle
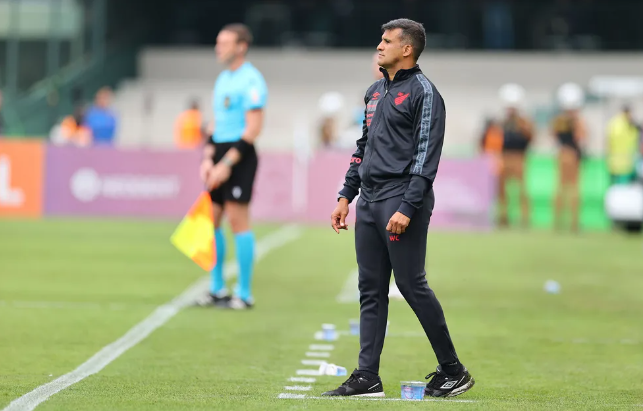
328, 332
333, 370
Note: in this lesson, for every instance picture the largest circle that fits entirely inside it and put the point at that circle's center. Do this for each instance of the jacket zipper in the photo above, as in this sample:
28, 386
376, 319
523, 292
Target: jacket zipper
370, 158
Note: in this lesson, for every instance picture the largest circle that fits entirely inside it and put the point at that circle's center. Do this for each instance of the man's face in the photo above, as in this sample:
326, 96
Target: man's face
227, 48
104, 98
512, 111
391, 50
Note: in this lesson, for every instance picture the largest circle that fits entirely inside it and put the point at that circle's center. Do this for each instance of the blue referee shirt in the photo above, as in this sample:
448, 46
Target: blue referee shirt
236, 92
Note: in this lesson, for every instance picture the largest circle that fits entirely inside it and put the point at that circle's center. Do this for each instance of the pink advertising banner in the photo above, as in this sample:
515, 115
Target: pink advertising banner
112, 182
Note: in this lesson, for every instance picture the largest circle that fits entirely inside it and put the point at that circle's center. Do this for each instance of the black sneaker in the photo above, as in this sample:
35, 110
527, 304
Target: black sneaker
444, 385
358, 386
220, 300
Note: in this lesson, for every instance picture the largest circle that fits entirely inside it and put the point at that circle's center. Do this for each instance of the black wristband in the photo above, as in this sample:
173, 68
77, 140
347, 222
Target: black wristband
243, 146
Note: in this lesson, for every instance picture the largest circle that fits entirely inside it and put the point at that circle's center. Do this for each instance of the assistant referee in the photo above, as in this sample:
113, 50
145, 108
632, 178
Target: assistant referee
230, 161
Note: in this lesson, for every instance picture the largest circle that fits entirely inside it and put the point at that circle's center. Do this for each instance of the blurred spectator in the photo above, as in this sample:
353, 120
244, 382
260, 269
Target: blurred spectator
622, 150
328, 132
491, 143
188, 129
330, 105
517, 133
1, 122
100, 119
568, 128
72, 130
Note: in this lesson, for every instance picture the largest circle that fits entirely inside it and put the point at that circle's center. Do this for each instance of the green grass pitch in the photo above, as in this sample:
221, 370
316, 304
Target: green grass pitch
70, 287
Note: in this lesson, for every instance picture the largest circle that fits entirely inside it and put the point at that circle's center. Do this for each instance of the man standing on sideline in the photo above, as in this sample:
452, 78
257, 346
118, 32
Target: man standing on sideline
395, 165
230, 161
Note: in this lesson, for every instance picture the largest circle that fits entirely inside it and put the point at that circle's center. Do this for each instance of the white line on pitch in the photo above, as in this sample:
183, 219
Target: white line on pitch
298, 387
313, 362
140, 331
317, 354
291, 396
322, 347
308, 372
302, 379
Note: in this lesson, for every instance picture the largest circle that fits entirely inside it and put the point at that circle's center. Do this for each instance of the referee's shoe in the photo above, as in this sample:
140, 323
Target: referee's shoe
445, 385
358, 385
220, 300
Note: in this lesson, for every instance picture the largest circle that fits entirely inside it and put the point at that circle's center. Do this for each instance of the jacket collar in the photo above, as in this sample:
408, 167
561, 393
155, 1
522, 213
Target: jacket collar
402, 74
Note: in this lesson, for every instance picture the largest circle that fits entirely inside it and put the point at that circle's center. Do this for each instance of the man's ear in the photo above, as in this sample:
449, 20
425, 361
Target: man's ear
243, 48
407, 50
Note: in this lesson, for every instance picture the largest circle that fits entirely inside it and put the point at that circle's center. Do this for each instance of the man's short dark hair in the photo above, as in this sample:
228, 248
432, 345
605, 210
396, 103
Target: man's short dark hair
244, 35
413, 33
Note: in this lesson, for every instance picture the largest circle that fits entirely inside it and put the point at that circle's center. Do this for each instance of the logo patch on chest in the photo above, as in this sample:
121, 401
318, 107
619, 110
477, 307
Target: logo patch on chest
400, 98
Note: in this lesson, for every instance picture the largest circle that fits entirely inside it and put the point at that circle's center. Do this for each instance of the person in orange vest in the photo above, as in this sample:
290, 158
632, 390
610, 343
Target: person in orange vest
491, 144
72, 130
188, 129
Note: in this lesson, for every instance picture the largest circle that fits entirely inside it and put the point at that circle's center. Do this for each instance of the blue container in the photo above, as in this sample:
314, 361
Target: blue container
354, 326
413, 390
329, 333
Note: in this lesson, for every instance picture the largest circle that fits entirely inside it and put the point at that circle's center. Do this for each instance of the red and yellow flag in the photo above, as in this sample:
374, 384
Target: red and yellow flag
194, 236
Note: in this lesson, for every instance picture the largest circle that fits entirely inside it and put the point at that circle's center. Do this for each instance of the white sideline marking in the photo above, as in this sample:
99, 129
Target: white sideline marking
322, 354
298, 388
308, 372
350, 292
140, 331
292, 396
303, 379
322, 347
313, 362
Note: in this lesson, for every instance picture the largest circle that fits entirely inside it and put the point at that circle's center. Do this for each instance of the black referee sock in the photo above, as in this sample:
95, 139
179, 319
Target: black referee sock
452, 369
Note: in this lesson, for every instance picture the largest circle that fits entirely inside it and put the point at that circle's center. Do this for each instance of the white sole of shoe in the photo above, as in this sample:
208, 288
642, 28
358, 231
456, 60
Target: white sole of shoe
462, 389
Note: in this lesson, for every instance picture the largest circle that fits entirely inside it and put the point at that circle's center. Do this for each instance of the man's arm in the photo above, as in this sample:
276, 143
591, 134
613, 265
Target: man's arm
254, 102
352, 181
430, 116
254, 124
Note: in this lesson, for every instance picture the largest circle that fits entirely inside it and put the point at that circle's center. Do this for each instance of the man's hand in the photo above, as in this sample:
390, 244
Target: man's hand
338, 218
205, 168
398, 223
218, 175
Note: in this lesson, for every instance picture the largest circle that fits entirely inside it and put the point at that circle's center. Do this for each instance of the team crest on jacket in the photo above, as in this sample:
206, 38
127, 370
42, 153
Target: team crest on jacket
400, 98
226, 102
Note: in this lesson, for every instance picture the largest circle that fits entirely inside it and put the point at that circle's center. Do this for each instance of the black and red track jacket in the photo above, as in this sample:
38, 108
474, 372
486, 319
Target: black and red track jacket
401, 144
